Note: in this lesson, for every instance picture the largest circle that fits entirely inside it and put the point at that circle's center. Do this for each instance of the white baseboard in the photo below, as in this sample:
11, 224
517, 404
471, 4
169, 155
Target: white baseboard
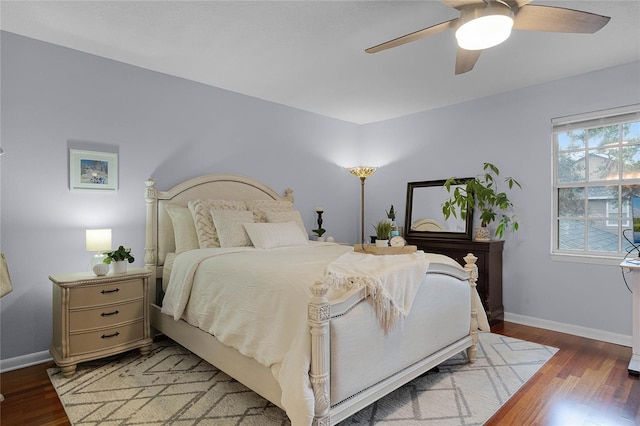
589, 333
24, 361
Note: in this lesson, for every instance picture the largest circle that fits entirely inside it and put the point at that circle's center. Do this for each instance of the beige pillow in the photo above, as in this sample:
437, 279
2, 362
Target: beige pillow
229, 226
184, 230
201, 213
261, 207
292, 216
273, 235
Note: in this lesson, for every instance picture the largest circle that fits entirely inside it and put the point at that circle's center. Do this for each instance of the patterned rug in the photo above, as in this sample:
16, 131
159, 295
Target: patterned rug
174, 387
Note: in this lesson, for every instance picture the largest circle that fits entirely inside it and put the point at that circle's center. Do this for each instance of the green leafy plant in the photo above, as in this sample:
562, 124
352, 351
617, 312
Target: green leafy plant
483, 194
391, 214
119, 255
383, 229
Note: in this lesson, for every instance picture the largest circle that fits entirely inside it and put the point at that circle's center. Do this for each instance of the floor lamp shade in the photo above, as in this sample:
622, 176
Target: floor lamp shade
363, 172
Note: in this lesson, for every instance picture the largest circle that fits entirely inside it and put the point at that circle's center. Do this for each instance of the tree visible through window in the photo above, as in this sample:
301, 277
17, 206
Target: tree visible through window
596, 174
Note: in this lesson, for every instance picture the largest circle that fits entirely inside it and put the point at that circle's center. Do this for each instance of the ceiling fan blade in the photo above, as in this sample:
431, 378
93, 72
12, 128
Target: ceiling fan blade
466, 60
417, 35
461, 4
558, 19
516, 3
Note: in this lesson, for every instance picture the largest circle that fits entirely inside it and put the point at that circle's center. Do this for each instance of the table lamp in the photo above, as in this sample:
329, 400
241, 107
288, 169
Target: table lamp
363, 172
98, 240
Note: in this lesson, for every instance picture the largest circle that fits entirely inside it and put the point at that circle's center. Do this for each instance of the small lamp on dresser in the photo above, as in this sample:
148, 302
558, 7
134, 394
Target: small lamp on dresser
98, 240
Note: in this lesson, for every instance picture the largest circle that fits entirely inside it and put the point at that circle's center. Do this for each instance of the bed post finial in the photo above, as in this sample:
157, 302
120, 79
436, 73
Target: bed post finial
151, 200
470, 265
319, 315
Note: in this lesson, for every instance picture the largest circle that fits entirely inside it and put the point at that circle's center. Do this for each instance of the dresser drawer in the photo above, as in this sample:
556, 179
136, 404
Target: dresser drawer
104, 339
105, 316
98, 295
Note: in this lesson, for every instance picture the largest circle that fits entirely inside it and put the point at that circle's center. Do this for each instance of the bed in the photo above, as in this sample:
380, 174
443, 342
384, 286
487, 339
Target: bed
347, 355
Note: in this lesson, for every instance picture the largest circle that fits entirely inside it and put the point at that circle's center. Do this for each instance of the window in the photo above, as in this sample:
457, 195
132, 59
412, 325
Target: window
596, 174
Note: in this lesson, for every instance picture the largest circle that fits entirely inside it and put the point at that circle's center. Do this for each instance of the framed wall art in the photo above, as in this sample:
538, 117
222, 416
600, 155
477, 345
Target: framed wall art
93, 170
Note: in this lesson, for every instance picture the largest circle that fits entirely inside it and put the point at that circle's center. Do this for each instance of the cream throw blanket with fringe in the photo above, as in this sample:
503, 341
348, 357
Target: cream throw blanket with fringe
392, 281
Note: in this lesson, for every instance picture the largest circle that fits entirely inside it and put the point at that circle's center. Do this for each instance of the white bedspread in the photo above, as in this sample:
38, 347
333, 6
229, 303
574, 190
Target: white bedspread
229, 294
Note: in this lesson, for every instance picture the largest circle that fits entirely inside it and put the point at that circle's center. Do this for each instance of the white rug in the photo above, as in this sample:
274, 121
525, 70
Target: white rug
174, 387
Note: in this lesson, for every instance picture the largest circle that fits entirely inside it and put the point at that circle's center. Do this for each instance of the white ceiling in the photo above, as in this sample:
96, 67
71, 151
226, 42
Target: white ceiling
310, 54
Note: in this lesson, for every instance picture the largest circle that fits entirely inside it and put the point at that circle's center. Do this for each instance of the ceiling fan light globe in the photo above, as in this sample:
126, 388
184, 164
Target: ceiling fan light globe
484, 27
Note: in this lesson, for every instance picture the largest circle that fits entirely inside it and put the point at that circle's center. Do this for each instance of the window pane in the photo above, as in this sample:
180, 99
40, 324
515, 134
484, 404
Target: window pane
571, 167
604, 136
631, 132
602, 237
603, 164
631, 162
571, 140
571, 235
603, 199
571, 202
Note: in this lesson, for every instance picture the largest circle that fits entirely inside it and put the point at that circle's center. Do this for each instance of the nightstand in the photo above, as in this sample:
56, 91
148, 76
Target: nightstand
94, 317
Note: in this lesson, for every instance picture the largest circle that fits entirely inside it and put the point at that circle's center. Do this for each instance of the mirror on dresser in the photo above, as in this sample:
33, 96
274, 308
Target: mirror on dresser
424, 217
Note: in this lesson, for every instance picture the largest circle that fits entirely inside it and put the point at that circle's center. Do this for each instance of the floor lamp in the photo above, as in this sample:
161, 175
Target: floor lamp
5, 285
362, 172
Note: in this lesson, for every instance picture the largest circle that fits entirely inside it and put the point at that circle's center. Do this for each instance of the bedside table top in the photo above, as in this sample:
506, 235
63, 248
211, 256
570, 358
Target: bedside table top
81, 278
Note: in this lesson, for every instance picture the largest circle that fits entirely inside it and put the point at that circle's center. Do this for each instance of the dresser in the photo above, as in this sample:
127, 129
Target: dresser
94, 317
489, 254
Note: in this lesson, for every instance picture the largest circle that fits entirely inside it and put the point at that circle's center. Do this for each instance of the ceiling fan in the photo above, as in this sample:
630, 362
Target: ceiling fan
486, 23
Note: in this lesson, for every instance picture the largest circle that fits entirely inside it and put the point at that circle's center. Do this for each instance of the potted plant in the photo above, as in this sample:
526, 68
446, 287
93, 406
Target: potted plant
383, 229
120, 258
483, 194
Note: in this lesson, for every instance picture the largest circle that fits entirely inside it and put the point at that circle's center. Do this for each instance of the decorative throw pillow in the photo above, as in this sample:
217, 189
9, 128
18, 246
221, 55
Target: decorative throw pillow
261, 207
290, 216
272, 235
184, 230
201, 213
230, 229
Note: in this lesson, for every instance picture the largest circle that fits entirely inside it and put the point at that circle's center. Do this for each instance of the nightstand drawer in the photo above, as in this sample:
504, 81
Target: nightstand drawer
98, 295
105, 316
104, 339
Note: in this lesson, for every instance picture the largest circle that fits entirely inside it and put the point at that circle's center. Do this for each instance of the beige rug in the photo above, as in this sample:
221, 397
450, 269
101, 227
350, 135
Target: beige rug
174, 387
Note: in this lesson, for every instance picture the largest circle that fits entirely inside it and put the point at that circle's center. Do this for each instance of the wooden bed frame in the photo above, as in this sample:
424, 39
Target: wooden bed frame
160, 241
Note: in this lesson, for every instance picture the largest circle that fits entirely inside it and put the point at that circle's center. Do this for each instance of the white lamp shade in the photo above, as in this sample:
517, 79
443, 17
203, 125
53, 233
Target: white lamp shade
98, 240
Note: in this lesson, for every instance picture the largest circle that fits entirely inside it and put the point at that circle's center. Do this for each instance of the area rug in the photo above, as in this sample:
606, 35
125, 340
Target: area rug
174, 387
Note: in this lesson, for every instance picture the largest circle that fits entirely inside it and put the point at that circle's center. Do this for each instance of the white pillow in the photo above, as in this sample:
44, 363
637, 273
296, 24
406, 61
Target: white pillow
272, 235
184, 230
290, 216
201, 212
261, 207
229, 227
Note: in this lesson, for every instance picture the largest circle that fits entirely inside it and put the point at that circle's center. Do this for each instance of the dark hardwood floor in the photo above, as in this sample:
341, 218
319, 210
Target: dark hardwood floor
585, 383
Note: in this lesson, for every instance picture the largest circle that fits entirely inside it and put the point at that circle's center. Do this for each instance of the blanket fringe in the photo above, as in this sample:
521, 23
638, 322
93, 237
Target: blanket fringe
386, 310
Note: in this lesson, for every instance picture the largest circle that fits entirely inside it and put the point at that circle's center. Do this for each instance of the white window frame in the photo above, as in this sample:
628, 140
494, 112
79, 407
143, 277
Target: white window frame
596, 119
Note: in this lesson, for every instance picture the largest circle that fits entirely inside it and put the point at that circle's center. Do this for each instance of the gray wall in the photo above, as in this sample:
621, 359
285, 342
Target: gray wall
513, 131
172, 129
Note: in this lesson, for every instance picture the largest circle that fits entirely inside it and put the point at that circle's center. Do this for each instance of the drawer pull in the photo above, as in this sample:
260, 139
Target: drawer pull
106, 336
108, 314
110, 291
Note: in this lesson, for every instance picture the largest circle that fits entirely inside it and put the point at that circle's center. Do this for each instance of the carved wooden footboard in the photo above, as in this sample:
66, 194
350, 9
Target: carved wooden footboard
319, 316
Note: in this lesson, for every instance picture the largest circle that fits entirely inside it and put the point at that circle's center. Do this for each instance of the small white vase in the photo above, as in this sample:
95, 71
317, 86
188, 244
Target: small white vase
482, 234
119, 267
382, 243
